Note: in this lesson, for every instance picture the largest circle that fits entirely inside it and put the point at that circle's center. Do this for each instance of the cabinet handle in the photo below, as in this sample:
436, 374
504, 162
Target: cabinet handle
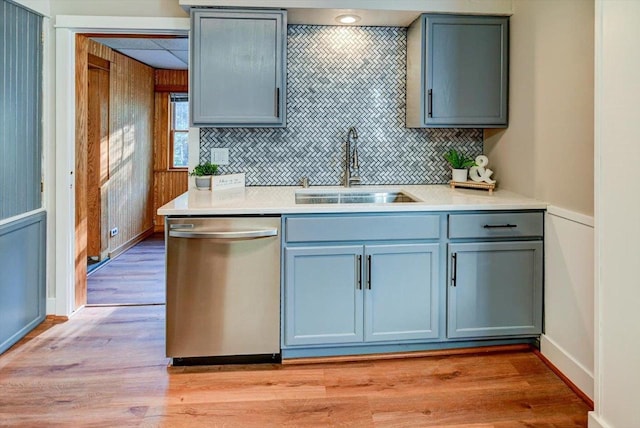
430, 102
369, 272
454, 268
359, 267
500, 226
277, 102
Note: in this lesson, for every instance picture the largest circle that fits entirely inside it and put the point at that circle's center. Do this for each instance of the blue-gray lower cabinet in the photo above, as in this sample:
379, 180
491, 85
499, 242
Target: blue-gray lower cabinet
323, 295
494, 289
401, 293
361, 293
22, 278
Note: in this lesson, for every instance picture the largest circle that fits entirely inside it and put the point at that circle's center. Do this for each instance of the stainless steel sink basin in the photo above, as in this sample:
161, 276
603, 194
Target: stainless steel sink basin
359, 197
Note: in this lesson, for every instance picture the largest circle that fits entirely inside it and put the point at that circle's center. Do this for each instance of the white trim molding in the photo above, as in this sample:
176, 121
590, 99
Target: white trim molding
594, 421
20, 216
123, 24
66, 29
571, 215
580, 375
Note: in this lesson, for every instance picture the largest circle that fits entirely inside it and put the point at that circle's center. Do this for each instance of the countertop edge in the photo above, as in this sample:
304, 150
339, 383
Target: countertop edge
280, 200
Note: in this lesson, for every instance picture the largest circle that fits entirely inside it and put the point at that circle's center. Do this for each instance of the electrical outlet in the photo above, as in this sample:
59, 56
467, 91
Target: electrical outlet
220, 156
113, 232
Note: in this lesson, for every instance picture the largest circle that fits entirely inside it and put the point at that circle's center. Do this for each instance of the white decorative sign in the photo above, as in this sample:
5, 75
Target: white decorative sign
228, 181
479, 173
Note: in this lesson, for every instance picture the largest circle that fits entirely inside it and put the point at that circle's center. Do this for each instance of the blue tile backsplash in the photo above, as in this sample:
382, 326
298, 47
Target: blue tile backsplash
338, 77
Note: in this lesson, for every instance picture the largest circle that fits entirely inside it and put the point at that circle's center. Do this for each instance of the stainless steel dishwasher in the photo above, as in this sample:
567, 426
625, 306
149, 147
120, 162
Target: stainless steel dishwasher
223, 289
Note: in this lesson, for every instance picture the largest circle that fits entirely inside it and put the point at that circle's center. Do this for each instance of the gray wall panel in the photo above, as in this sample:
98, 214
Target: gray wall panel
20, 110
22, 282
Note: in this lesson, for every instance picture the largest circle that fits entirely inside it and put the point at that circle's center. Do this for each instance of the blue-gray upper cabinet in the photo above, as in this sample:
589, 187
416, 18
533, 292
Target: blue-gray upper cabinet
323, 295
237, 68
401, 292
457, 72
495, 289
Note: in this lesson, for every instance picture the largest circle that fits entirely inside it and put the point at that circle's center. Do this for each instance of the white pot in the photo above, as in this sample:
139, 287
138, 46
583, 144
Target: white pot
459, 175
203, 182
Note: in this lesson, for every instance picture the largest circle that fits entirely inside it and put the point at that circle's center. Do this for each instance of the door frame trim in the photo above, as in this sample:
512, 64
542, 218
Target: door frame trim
66, 28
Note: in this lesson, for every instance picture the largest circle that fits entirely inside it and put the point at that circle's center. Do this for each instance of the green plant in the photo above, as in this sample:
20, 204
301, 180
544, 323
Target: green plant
458, 160
206, 168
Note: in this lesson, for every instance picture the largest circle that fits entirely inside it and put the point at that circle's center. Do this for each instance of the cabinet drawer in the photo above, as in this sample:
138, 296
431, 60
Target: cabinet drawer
496, 225
361, 228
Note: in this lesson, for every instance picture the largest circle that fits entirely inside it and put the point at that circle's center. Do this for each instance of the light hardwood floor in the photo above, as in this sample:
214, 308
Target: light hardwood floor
106, 367
134, 277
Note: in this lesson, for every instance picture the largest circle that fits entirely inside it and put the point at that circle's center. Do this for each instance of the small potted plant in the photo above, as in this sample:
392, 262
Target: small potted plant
203, 173
459, 164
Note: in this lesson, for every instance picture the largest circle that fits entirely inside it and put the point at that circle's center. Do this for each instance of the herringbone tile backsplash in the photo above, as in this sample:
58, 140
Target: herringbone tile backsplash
338, 77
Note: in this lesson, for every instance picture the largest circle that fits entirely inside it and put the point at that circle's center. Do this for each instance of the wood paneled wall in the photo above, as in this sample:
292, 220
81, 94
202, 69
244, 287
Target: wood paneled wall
130, 154
167, 183
131, 110
98, 162
172, 81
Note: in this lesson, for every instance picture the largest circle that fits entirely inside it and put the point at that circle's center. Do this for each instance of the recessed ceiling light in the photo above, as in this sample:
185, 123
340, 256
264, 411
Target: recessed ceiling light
347, 19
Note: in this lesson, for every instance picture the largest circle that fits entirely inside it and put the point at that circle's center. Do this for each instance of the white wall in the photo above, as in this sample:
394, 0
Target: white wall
547, 150
568, 338
150, 8
617, 367
547, 153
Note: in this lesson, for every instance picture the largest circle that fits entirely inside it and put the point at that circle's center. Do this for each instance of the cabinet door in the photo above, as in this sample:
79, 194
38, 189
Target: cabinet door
237, 61
467, 69
323, 295
494, 289
401, 292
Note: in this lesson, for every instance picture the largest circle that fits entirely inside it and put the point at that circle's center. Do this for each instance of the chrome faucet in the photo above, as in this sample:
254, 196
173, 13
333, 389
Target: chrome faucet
351, 160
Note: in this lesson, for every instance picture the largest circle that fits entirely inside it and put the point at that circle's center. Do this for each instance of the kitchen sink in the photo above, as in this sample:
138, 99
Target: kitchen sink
352, 197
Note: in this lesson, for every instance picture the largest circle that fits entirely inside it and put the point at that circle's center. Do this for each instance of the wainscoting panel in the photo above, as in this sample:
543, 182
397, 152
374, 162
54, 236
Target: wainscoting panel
568, 340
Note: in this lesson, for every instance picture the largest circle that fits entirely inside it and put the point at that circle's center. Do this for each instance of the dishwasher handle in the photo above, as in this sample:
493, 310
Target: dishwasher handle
241, 235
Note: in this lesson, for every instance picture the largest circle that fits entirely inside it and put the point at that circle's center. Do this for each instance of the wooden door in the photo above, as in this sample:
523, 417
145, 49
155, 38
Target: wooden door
97, 158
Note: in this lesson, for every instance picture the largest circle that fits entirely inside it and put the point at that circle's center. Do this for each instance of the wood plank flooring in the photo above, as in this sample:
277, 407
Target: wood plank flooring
106, 367
134, 277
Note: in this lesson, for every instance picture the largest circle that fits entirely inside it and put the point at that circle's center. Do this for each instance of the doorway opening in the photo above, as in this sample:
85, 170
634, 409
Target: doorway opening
124, 163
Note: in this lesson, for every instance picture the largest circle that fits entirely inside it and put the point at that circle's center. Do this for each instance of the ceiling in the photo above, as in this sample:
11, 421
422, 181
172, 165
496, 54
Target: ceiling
173, 53
163, 53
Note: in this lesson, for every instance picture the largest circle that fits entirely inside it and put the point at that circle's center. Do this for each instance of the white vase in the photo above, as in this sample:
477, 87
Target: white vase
203, 182
459, 175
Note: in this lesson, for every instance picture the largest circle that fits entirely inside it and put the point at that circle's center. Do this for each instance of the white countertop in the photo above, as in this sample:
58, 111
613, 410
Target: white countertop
281, 200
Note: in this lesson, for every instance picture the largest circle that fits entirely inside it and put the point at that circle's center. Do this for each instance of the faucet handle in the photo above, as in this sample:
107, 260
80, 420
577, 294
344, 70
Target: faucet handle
304, 182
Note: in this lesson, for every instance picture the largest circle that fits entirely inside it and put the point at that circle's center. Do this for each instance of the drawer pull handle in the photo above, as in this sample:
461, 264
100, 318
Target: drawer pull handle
500, 226
454, 268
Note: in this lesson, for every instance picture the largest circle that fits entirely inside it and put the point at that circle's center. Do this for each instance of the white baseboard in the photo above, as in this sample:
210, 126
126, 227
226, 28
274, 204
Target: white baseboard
51, 306
576, 372
596, 422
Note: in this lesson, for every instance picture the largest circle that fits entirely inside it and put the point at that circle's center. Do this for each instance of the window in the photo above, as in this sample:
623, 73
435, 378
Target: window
179, 137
